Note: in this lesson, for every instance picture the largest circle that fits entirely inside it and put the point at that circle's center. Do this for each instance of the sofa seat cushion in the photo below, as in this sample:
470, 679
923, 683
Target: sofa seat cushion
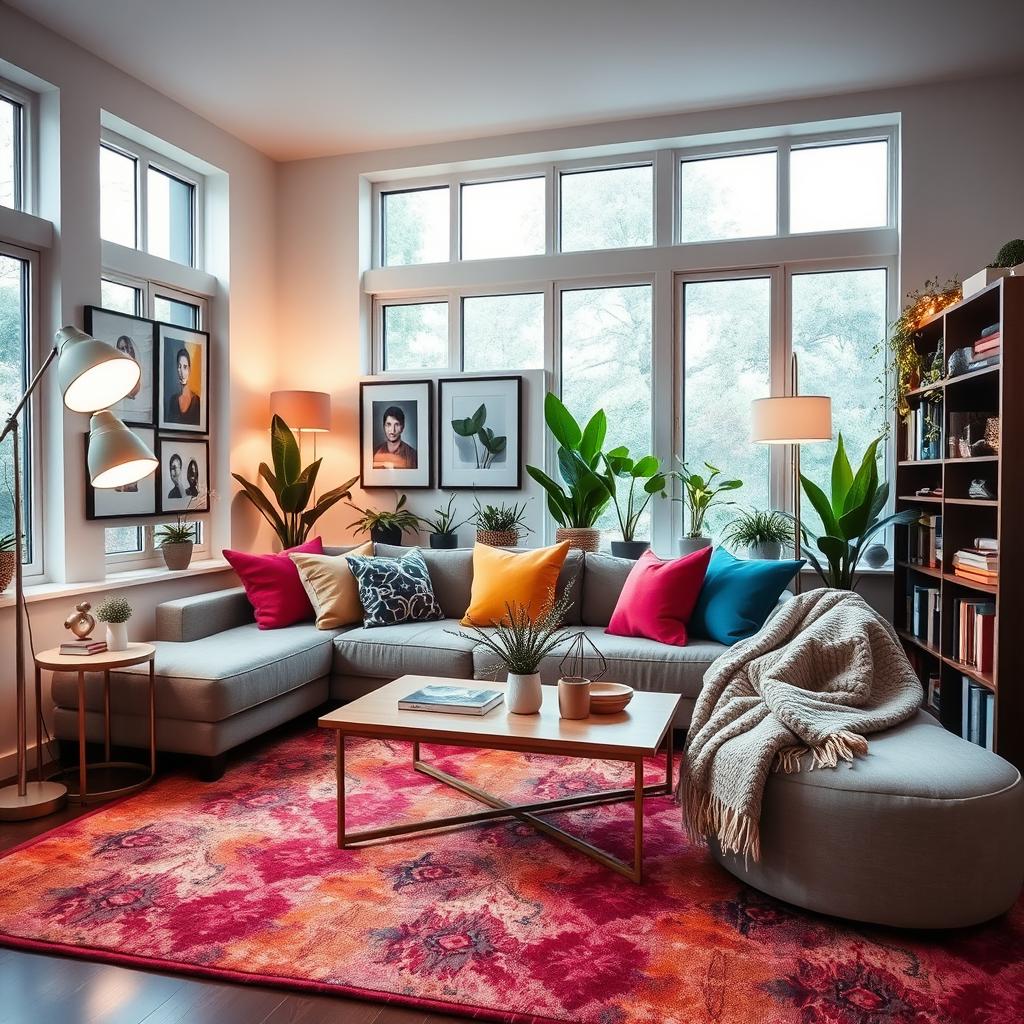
638, 662
213, 678
409, 648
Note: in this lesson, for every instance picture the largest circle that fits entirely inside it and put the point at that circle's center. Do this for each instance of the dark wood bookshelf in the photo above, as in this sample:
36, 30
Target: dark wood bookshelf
996, 390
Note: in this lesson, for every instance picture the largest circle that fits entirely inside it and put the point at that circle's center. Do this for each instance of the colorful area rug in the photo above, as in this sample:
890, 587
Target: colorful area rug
242, 879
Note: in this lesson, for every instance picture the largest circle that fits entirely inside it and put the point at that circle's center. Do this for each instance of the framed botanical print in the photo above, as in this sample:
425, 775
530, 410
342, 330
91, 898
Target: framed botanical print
480, 432
183, 484
184, 375
395, 433
132, 500
134, 337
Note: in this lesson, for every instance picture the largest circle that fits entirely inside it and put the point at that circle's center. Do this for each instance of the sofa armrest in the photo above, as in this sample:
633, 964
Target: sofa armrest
192, 618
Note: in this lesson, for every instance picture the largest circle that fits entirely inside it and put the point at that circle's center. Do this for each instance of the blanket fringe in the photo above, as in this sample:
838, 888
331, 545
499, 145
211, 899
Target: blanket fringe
705, 815
841, 746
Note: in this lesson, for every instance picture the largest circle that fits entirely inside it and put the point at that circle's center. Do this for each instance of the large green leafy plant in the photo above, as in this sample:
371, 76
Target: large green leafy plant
850, 516
643, 473
292, 487
701, 492
587, 487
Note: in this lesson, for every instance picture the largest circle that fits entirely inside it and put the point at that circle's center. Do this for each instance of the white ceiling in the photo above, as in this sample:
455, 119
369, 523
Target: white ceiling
302, 78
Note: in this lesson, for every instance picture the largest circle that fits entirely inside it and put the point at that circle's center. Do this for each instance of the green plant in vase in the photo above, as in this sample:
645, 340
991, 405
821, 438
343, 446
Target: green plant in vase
383, 525
443, 525
701, 492
642, 479
762, 534
115, 612
501, 525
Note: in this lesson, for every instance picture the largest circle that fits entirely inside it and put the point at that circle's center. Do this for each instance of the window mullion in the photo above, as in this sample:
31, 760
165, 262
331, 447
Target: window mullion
782, 173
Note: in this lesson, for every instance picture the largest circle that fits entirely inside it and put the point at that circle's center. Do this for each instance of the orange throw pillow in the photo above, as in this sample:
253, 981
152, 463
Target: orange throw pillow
525, 578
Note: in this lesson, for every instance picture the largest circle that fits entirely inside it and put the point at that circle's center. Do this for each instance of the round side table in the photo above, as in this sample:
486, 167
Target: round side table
136, 654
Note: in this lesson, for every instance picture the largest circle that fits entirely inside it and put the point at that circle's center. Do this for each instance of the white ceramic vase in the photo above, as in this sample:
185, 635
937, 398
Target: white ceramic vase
523, 695
117, 636
770, 550
687, 545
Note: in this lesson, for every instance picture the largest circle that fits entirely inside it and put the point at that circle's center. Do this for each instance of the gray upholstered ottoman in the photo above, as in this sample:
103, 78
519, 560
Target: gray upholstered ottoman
926, 831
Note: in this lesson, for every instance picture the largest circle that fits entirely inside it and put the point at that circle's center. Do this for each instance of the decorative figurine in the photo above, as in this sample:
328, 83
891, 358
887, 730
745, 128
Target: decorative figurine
960, 361
81, 623
980, 489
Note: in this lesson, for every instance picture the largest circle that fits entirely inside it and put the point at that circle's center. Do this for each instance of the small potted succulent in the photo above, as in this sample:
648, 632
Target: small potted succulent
645, 480
385, 527
8, 560
763, 534
115, 612
443, 526
699, 495
176, 542
500, 526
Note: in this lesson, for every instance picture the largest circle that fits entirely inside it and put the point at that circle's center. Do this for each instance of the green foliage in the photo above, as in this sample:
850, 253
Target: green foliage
378, 519
7, 542
700, 494
500, 518
444, 519
521, 643
114, 609
644, 473
587, 491
175, 533
1010, 255
487, 445
292, 487
756, 527
850, 516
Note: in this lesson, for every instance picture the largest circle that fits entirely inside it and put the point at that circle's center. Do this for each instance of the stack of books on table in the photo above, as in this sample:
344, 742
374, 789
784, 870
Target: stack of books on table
977, 714
83, 647
452, 700
978, 564
974, 632
986, 350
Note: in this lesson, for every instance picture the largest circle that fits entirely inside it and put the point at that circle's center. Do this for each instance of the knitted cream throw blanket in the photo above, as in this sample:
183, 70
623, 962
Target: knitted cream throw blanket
824, 671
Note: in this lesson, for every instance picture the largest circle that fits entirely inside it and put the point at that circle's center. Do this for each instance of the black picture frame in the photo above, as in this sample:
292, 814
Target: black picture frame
141, 503
168, 334
468, 478
101, 324
182, 506
384, 392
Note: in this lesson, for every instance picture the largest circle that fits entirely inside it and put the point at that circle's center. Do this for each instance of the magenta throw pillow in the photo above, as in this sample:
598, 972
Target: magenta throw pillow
273, 586
658, 597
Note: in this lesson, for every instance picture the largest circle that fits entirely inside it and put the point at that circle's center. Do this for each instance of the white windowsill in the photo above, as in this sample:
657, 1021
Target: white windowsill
114, 581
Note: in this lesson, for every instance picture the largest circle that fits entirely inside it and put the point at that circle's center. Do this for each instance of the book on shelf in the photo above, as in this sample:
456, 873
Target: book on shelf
986, 346
977, 558
977, 714
922, 431
934, 691
986, 543
974, 632
924, 611
924, 542
983, 362
83, 647
453, 700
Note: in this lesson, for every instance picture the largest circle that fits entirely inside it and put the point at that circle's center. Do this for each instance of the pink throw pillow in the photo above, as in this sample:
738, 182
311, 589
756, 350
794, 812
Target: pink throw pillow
273, 586
658, 597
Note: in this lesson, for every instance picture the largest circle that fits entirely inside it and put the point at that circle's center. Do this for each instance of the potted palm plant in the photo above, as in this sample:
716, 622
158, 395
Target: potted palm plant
8, 560
383, 526
500, 526
763, 534
645, 480
700, 493
521, 642
577, 505
443, 526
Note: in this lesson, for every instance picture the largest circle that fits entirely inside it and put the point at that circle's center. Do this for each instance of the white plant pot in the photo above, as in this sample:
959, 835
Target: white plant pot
523, 695
117, 636
687, 545
770, 550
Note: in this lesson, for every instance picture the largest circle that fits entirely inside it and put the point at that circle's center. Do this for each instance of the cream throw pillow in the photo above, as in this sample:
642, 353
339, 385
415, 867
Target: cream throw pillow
331, 587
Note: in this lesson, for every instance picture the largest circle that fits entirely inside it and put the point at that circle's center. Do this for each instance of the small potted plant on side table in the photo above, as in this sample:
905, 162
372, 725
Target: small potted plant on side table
443, 526
8, 560
500, 526
645, 473
763, 534
115, 612
699, 495
385, 527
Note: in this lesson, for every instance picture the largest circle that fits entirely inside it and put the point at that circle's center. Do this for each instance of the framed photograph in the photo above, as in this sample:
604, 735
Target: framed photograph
132, 500
134, 337
395, 437
184, 376
480, 432
183, 483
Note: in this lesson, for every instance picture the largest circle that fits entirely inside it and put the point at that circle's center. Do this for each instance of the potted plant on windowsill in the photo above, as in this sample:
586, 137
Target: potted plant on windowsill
500, 526
443, 526
115, 612
8, 560
763, 534
176, 542
578, 505
644, 473
699, 495
383, 526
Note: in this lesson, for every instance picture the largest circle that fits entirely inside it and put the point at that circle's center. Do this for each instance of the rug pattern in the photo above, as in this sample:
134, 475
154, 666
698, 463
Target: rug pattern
243, 877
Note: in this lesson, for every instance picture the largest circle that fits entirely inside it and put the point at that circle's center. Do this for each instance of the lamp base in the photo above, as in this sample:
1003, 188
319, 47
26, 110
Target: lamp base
40, 799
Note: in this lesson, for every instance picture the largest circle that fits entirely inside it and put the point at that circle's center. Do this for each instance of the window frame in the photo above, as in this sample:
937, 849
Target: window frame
27, 164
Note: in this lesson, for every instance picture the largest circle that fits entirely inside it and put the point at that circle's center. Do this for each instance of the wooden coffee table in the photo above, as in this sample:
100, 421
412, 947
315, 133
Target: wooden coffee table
640, 731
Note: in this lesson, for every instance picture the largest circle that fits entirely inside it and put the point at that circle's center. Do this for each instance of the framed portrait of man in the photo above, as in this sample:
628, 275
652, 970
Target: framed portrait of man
184, 361
184, 474
395, 437
134, 499
133, 336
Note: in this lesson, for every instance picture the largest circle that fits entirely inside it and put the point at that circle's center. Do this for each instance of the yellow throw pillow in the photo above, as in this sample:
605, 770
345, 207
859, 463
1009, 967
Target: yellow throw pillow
525, 578
331, 587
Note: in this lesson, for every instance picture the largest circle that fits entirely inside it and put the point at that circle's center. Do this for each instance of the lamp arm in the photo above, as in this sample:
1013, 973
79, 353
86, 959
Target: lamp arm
33, 384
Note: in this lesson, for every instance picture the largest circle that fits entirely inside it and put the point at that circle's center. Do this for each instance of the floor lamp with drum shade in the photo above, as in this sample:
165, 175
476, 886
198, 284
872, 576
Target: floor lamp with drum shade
93, 376
792, 419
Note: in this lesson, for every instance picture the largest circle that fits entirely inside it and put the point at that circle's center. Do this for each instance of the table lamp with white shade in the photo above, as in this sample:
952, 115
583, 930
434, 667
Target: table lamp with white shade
793, 419
93, 376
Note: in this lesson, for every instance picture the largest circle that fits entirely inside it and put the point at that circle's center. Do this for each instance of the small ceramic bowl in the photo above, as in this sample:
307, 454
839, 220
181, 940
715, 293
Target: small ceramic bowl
609, 698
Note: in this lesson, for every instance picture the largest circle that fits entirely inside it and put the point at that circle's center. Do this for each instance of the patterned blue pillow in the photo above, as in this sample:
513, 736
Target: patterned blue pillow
393, 590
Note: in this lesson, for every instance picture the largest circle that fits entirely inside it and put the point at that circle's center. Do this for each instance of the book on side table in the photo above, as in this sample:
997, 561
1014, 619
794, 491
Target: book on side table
83, 647
453, 700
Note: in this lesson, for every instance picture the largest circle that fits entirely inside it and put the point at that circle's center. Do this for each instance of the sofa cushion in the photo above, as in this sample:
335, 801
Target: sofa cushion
604, 576
331, 587
410, 648
213, 678
512, 579
273, 586
395, 590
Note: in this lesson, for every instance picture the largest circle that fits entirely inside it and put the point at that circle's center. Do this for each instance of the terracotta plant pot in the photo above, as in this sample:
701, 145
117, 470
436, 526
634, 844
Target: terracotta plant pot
7, 566
579, 538
631, 549
498, 538
444, 540
687, 545
573, 697
177, 556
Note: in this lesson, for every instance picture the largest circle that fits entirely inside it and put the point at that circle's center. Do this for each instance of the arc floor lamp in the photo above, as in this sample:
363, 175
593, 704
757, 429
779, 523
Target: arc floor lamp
93, 376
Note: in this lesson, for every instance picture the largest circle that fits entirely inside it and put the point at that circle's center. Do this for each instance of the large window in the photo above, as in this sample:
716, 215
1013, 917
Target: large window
503, 331
728, 197
611, 208
503, 218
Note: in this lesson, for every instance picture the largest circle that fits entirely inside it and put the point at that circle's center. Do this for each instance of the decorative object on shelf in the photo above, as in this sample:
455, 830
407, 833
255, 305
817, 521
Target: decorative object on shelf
576, 671
134, 337
8, 559
308, 412
81, 623
609, 698
499, 526
184, 377
699, 495
396, 439
850, 515
93, 376
980, 488
444, 526
481, 426
135, 499
975, 433
960, 361
383, 526
115, 612
578, 505
763, 534
876, 555
292, 487
521, 643
644, 472
1008, 261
